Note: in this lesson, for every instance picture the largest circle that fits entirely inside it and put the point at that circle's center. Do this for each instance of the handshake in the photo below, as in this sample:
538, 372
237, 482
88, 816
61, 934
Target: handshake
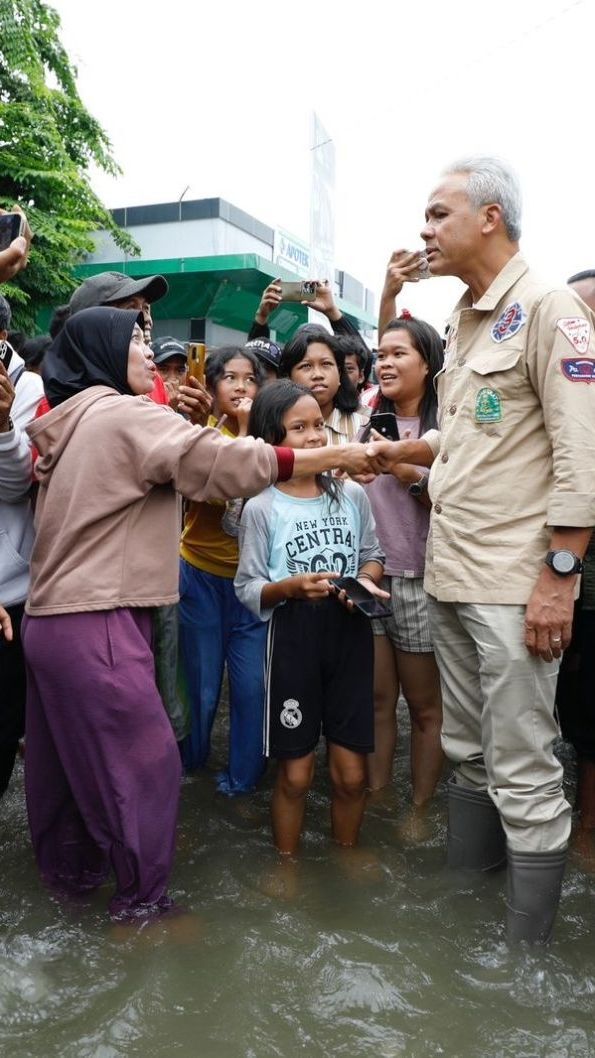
378, 456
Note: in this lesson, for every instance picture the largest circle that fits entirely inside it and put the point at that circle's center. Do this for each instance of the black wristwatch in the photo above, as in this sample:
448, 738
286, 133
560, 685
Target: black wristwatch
417, 488
564, 563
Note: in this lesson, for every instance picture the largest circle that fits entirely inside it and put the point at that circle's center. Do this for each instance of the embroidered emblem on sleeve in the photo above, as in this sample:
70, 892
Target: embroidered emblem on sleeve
578, 331
291, 714
488, 406
578, 370
511, 321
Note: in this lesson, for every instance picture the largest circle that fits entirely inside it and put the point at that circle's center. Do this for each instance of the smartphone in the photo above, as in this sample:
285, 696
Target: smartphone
11, 226
362, 598
304, 291
385, 423
423, 268
195, 361
5, 355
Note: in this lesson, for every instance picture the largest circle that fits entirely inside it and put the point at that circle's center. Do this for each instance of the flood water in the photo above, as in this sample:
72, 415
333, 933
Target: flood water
384, 953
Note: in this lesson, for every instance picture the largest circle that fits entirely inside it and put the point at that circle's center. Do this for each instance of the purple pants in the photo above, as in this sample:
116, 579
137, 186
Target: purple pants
102, 769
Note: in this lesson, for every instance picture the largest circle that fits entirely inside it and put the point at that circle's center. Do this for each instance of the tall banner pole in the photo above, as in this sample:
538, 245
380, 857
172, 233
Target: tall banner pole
322, 209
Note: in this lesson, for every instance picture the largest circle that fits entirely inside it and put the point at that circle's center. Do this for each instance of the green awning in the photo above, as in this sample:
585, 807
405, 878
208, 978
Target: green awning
224, 289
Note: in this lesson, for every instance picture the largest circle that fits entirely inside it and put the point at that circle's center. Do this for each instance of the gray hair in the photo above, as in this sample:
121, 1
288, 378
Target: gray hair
5, 314
492, 180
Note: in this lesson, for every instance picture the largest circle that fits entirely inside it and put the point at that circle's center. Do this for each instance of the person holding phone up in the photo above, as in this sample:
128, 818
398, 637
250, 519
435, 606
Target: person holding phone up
14, 255
324, 303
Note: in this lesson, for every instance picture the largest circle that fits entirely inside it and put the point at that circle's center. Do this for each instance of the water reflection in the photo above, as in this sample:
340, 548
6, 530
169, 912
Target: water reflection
382, 953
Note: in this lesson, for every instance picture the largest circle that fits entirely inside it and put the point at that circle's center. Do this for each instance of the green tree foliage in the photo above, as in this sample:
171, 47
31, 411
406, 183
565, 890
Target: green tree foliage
48, 141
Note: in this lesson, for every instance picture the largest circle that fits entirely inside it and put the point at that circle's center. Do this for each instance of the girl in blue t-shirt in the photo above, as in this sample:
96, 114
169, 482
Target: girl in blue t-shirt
295, 539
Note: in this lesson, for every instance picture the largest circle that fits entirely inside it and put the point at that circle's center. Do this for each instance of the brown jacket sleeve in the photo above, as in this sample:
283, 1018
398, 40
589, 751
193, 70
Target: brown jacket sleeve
199, 462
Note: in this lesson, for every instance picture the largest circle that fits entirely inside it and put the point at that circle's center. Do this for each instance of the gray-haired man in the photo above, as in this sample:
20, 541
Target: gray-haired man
513, 492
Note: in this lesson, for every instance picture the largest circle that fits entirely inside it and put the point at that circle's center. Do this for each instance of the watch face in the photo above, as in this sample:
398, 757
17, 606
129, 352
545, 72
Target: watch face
563, 561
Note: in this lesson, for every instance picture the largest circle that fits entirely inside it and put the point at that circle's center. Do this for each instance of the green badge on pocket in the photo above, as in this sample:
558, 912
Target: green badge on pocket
488, 406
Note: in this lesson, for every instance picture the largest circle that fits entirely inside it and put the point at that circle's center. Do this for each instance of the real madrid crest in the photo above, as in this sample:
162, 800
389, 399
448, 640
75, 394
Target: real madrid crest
291, 714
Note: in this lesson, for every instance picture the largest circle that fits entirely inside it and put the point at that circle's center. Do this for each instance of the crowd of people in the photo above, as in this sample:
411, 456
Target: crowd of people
330, 527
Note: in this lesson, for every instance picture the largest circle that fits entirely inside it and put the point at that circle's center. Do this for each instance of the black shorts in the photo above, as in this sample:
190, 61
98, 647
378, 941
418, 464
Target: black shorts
320, 674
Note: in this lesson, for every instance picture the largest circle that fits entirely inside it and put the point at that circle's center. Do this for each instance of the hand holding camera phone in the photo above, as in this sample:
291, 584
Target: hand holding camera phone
195, 361
422, 270
12, 225
304, 291
5, 355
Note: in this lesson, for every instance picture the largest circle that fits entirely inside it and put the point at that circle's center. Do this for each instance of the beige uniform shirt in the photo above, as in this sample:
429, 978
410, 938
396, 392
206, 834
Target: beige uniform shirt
515, 449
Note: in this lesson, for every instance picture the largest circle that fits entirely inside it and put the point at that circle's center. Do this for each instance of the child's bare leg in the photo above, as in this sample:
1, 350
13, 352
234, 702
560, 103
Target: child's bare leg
294, 779
420, 681
386, 692
348, 776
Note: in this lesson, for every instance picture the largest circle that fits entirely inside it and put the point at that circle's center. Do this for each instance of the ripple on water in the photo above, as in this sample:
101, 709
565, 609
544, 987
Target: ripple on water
383, 955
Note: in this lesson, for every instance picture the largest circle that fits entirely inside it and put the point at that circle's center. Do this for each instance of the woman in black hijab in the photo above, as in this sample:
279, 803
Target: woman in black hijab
92, 349
102, 767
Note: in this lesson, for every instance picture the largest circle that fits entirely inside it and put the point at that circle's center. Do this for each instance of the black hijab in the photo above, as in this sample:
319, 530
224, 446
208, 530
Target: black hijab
90, 350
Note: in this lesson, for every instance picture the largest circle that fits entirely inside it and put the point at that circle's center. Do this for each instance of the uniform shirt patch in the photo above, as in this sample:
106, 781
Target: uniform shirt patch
511, 321
291, 714
578, 370
488, 406
578, 331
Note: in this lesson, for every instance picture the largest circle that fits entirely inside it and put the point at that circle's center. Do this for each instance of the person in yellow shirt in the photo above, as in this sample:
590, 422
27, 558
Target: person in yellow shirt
215, 628
513, 492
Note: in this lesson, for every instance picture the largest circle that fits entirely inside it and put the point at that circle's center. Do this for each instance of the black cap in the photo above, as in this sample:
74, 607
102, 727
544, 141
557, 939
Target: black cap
165, 348
266, 351
107, 287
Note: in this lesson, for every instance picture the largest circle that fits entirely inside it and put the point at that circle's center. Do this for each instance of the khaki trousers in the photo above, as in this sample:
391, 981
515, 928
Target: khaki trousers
499, 727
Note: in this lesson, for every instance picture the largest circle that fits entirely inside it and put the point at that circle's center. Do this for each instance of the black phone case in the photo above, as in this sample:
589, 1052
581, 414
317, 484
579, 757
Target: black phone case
367, 604
386, 424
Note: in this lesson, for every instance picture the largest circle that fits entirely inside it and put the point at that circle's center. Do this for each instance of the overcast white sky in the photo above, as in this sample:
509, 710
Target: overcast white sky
218, 96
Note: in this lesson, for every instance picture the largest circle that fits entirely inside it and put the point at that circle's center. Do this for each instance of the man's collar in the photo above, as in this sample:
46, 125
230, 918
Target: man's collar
506, 278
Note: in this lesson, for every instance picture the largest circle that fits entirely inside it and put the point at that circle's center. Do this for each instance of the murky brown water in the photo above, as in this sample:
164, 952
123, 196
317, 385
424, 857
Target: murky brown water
383, 955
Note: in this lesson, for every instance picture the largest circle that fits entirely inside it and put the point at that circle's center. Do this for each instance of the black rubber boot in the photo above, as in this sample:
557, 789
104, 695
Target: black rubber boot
476, 840
533, 884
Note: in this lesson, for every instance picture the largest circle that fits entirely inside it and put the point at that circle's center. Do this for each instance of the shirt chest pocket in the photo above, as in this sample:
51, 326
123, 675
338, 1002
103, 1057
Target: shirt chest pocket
499, 390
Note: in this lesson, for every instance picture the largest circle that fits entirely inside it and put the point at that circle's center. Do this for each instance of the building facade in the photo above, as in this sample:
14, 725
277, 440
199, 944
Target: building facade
217, 261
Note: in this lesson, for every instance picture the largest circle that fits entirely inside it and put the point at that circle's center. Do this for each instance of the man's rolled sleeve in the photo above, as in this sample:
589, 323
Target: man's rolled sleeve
561, 374
432, 439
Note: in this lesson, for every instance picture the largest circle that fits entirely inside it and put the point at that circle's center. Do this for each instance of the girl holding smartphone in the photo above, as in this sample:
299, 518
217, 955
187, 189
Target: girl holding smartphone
409, 357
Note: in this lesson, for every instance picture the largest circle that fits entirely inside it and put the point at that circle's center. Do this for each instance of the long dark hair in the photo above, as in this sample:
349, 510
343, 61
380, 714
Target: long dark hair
218, 358
268, 410
428, 343
345, 399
